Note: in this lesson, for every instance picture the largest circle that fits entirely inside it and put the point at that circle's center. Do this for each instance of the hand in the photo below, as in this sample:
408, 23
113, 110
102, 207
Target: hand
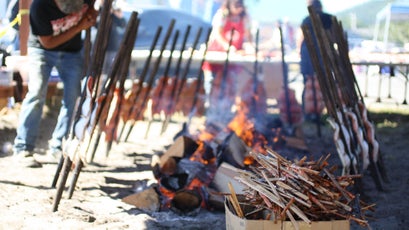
89, 19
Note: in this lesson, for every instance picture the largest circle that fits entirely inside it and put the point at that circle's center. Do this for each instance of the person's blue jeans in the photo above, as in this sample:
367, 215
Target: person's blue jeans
70, 69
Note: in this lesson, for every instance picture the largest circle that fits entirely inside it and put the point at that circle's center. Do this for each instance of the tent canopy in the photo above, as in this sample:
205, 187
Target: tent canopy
397, 11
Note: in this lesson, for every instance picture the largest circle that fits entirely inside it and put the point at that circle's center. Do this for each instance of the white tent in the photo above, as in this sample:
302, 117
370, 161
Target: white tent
397, 11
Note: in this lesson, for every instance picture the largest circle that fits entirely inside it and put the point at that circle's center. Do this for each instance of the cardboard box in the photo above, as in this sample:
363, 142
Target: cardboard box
234, 222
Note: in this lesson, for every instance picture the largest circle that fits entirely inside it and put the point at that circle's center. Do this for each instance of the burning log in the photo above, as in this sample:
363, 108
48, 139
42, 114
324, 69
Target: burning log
186, 202
147, 200
233, 151
190, 165
189, 175
225, 174
187, 166
166, 164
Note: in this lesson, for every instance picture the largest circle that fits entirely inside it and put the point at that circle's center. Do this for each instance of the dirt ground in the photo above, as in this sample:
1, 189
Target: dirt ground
26, 196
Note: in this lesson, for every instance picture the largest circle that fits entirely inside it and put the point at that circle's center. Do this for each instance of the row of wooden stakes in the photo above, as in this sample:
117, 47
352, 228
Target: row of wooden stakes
105, 103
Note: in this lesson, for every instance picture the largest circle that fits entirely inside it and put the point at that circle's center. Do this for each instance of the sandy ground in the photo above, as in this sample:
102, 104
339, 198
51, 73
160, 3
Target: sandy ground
26, 196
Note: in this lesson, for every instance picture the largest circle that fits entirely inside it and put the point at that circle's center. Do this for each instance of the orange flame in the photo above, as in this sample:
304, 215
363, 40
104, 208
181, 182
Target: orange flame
243, 127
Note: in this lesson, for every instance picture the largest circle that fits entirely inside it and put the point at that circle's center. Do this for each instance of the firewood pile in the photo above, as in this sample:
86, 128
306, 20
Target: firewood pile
307, 190
199, 165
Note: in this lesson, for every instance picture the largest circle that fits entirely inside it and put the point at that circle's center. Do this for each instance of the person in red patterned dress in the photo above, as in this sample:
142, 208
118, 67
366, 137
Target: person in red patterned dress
230, 30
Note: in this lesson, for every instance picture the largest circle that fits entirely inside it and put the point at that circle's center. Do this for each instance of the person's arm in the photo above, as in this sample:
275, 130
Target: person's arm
50, 41
220, 39
218, 23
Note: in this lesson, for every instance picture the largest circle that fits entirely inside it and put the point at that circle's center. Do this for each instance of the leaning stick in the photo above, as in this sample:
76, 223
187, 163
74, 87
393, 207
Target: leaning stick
284, 66
255, 72
200, 79
152, 75
162, 84
183, 79
77, 170
141, 81
329, 84
187, 67
234, 201
87, 59
226, 67
329, 58
170, 102
98, 56
167, 68
125, 50
100, 46
65, 162
64, 175
379, 167
123, 73
106, 97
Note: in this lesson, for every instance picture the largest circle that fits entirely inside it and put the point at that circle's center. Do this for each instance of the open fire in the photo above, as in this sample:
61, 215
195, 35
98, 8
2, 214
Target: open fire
186, 170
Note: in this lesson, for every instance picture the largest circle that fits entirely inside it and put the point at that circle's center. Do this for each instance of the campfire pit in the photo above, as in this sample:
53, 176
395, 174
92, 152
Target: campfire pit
186, 170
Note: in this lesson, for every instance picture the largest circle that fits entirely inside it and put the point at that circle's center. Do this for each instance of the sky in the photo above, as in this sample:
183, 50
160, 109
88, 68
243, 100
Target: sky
294, 10
334, 6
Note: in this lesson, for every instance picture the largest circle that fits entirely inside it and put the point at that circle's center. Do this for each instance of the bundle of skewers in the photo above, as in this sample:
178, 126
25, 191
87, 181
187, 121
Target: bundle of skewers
97, 107
307, 190
354, 133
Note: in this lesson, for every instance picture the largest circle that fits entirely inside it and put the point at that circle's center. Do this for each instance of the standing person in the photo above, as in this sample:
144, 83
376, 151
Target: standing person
306, 66
232, 15
55, 41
